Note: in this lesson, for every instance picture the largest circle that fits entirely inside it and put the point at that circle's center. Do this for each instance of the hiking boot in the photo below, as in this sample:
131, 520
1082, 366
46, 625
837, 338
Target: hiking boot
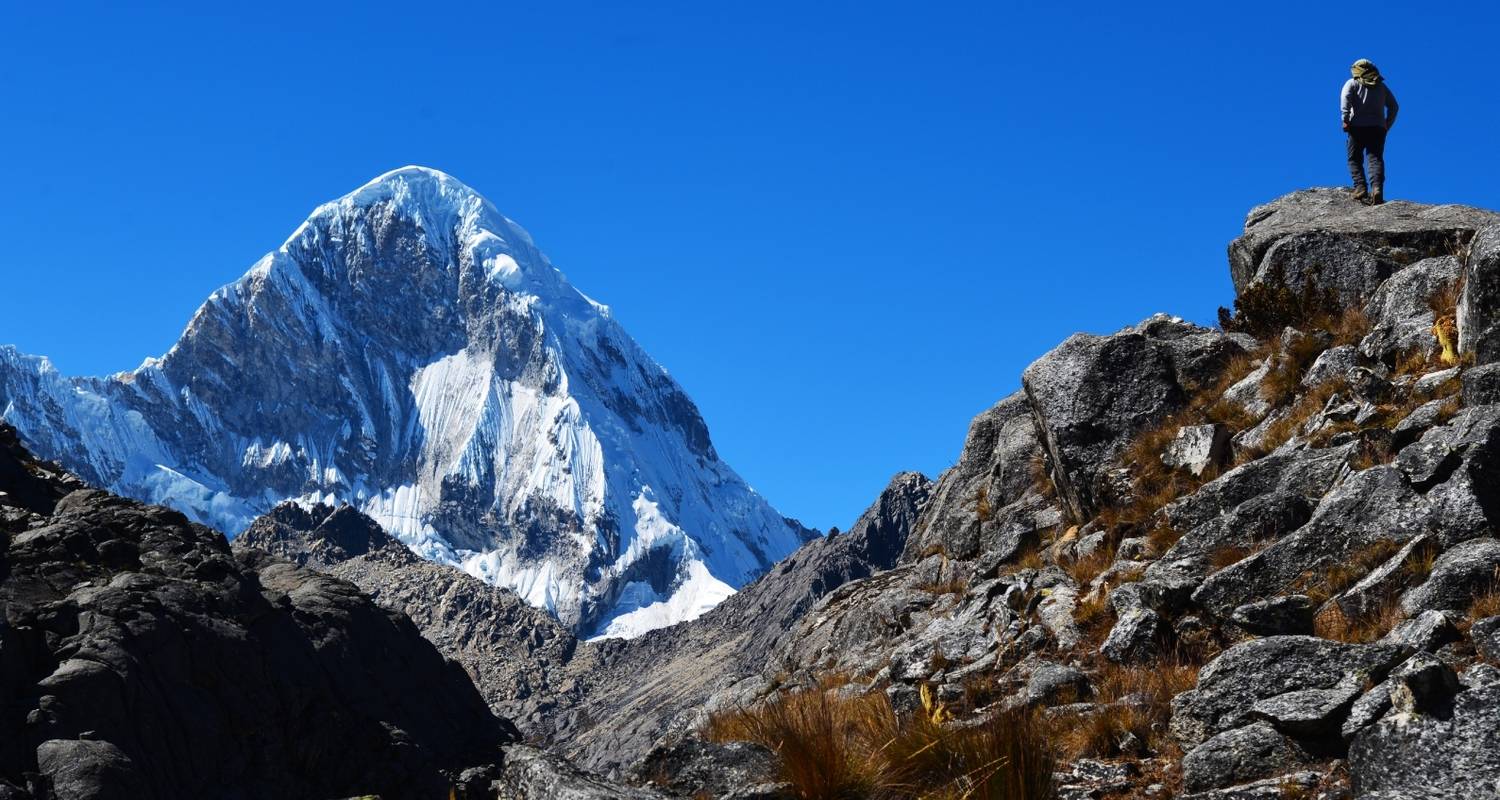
1361, 194
1377, 195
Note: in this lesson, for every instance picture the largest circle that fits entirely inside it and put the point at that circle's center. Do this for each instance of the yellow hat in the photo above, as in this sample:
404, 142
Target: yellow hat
1365, 72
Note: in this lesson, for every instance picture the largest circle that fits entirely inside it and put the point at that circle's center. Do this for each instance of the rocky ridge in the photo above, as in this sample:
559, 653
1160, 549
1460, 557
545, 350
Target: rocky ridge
1250, 562
1256, 562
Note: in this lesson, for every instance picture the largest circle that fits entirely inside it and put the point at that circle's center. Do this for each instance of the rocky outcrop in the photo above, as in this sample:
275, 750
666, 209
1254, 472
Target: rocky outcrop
972, 507
1432, 753
1479, 308
1325, 238
1090, 395
141, 657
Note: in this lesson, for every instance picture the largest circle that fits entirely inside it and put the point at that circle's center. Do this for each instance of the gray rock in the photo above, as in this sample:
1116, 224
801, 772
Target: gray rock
1481, 384
1433, 381
1485, 633
1051, 684
1370, 706
533, 774
1335, 362
1479, 308
1370, 591
1425, 756
993, 471
1135, 637
1290, 614
1323, 236
1423, 685
1417, 422
1198, 448
1247, 392
1091, 394
1239, 756
692, 767
1460, 573
1425, 632
1399, 311
1478, 675
1371, 505
1309, 714
89, 770
1230, 685
1267, 789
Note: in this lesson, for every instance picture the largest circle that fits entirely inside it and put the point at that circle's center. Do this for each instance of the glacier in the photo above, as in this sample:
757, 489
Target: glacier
410, 351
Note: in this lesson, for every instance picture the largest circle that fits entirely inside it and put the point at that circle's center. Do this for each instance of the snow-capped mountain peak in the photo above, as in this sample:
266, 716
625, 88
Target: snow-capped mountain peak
408, 349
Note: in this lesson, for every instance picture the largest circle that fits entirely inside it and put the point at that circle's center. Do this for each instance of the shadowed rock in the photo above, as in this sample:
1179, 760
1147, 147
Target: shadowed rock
143, 659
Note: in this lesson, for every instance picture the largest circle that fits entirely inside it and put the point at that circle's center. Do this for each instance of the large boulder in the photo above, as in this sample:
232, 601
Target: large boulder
1092, 394
1479, 308
1230, 686
1412, 754
1324, 237
970, 502
1400, 312
1239, 756
1376, 504
1460, 573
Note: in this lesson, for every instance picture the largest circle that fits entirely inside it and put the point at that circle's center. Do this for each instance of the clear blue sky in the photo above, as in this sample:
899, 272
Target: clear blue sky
845, 227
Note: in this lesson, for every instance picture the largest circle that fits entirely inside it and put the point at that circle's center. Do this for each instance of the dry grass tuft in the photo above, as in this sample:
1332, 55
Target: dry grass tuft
1340, 625
1161, 538
1320, 585
1084, 569
1487, 602
840, 749
1134, 703
982, 504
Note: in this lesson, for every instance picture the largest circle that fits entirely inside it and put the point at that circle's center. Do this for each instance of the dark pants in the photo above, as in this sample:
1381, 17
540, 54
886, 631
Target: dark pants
1367, 139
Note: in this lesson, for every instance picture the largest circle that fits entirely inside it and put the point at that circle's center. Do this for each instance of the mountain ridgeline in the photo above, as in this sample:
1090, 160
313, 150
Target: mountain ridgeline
409, 351
1239, 563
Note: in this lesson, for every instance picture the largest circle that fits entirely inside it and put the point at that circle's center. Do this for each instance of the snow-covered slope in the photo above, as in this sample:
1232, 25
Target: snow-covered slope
409, 350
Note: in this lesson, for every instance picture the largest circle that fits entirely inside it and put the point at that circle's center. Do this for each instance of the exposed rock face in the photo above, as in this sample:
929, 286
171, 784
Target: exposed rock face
1400, 311
1324, 236
1239, 756
142, 658
995, 469
1091, 394
1426, 755
1229, 687
1479, 310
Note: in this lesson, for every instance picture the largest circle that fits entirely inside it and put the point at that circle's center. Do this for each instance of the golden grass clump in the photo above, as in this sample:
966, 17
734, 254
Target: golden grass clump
1335, 623
846, 748
1147, 691
1320, 585
1487, 602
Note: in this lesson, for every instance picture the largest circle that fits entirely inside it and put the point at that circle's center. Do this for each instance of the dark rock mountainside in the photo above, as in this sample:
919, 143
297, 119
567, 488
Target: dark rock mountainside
514, 653
609, 702
140, 657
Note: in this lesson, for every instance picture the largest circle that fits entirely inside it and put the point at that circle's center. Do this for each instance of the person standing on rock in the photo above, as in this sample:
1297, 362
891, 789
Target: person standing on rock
1368, 109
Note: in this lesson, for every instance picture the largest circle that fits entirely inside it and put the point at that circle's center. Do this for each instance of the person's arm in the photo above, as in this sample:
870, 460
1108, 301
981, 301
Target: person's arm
1390, 107
1346, 103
